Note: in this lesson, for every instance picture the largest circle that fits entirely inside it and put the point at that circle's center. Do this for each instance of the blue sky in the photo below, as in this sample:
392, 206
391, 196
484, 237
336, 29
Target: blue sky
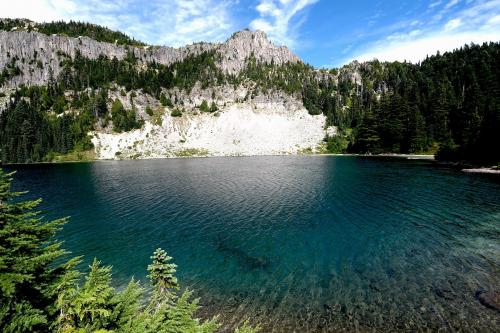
324, 33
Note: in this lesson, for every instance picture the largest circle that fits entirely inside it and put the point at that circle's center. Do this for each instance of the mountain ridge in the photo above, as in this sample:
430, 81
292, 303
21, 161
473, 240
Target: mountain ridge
233, 52
123, 101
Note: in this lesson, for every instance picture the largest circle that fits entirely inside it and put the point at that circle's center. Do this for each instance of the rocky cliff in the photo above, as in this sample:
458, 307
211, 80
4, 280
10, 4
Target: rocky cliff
248, 120
38, 55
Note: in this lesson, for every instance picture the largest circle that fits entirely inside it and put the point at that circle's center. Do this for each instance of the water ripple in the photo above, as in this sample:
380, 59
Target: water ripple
300, 244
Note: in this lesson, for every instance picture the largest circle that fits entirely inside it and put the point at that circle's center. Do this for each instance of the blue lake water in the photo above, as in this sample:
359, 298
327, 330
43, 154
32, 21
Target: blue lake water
304, 244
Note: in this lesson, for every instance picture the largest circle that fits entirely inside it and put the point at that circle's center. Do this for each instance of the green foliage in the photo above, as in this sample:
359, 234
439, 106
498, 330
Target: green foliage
337, 144
9, 24
87, 306
204, 106
30, 133
213, 107
72, 29
165, 101
449, 151
76, 29
28, 274
367, 139
9, 71
176, 112
81, 72
162, 277
246, 328
149, 111
124, 120
450, 99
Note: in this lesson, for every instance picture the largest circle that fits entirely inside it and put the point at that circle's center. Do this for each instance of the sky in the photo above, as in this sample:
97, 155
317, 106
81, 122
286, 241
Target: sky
324, 33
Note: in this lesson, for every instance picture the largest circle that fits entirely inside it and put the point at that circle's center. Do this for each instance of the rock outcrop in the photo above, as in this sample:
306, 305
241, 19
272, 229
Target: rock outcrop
38, 56
247, 122
271, 124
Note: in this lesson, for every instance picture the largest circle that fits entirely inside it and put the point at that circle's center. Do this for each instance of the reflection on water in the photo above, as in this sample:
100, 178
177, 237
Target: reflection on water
304, 244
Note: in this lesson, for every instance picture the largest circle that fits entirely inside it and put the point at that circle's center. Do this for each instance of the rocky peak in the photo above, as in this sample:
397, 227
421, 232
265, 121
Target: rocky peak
246, 43
37, 54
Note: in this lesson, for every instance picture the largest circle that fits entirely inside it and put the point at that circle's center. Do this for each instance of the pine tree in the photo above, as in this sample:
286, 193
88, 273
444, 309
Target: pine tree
162, 277
28, 273
213, 107
204, 106
90, 305
367, 139
416, 138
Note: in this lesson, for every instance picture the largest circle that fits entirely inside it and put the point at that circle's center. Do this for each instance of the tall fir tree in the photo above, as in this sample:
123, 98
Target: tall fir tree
29, 275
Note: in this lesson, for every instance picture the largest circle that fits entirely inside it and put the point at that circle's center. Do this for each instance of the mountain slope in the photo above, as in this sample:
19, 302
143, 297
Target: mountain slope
245, 96
240, 120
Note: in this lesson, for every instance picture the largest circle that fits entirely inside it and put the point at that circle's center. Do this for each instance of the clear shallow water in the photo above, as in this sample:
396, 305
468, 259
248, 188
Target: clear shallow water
304, 244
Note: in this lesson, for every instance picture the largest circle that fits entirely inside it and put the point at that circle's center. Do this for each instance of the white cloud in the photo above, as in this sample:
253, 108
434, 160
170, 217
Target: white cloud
275, 18
169, 22
477, 23
435, 4
450, 4
192, 21
417, 49
37, 10
452, 24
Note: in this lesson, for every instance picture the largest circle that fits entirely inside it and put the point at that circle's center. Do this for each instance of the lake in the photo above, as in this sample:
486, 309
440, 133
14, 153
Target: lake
304, 244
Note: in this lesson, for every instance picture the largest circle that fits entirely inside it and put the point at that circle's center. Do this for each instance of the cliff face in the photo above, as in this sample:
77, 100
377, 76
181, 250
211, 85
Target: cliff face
248, 122
38, 54
267, 124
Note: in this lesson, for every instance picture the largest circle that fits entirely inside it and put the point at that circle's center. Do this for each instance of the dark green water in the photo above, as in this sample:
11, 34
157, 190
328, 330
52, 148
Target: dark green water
300, 244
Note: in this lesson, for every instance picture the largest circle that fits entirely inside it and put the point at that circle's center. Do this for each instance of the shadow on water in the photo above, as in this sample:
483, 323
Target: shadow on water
244, 259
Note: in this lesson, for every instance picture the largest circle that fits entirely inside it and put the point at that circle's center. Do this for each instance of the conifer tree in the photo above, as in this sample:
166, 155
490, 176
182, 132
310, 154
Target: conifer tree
213, 107
28, 275
204, 106
162, 277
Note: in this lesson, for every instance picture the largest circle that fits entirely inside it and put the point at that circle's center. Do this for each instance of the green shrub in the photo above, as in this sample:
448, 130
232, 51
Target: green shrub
176, 112
204, 106
213, 107
124, 120
165, 101
337, 144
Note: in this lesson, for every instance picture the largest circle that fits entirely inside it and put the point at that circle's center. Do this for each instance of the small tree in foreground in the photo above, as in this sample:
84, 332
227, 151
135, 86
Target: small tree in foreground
162, 276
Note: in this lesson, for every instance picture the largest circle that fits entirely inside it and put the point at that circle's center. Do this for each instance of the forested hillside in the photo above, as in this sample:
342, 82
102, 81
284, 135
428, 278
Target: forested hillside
449, 104
71, 29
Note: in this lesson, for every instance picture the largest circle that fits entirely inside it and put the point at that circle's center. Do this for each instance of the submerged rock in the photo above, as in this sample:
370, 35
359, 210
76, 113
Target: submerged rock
490, 299
443, 292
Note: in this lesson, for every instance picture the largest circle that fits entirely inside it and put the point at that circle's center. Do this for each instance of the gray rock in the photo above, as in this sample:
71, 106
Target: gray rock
39, 54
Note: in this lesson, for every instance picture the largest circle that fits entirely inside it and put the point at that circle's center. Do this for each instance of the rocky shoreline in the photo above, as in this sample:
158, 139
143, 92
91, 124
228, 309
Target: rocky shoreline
491, 170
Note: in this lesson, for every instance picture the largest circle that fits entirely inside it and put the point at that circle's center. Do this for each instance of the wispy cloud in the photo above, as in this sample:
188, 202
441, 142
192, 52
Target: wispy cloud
275, 18
169, 22
451, 3
435, 4
452, 24
477, 23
